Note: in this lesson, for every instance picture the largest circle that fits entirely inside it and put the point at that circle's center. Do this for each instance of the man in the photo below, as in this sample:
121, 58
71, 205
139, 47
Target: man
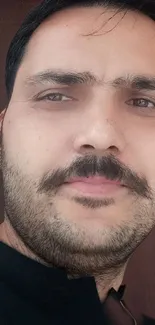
77, 160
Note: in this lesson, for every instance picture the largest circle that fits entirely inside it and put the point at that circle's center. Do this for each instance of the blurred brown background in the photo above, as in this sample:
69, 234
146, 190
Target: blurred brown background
140, 275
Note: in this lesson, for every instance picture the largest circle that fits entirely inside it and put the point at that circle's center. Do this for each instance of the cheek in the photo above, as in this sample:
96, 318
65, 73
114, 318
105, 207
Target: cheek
148, 158
142, 151
36, 145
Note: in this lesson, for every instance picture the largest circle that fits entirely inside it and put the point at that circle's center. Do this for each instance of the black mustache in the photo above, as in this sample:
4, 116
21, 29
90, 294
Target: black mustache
89, 166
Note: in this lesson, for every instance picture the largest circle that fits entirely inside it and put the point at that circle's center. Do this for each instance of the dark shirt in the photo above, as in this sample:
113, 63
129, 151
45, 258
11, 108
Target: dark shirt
31, 293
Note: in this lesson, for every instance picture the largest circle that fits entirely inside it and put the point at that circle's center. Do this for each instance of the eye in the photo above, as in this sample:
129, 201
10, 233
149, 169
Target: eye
55, 97
141, 102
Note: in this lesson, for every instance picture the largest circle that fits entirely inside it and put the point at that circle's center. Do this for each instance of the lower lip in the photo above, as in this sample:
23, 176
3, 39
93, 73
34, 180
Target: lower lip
94, 189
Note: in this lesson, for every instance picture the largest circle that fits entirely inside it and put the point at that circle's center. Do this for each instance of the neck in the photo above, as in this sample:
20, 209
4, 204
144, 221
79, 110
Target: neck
108, 280
104, 282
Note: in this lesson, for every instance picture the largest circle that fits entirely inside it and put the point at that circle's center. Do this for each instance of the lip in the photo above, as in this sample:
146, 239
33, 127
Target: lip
93, 181
96, 186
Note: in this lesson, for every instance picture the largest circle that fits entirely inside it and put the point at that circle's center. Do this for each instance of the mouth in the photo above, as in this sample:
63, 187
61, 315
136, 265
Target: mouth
99, 186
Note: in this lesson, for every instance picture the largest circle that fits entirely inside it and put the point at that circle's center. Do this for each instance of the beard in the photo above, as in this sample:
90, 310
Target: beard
38, 215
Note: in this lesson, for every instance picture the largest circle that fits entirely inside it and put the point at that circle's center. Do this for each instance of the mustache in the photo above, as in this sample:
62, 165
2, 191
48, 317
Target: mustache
89, 166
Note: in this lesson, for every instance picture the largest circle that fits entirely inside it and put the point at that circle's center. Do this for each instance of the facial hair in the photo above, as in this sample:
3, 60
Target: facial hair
31, 209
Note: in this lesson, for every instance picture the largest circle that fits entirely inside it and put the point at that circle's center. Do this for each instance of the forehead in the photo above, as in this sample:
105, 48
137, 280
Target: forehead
64, 41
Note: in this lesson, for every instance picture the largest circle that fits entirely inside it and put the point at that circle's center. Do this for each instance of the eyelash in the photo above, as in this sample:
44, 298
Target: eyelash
141, 99
46, 97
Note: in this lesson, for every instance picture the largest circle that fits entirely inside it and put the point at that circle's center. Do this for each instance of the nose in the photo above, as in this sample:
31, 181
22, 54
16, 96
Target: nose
99, 135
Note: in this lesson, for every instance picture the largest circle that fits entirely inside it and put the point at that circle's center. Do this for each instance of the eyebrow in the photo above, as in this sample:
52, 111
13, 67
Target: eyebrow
61, 77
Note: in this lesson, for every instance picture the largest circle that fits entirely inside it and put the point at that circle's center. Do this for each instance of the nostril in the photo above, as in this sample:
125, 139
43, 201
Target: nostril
87, 146
112, 148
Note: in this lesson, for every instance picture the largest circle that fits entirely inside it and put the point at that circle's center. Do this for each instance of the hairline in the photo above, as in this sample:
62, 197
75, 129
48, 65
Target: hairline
25, 48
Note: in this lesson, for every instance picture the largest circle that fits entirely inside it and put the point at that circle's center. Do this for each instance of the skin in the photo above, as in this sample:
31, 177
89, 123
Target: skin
89, 234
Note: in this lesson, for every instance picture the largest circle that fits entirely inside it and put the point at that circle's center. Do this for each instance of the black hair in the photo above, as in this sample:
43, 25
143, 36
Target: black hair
47, 8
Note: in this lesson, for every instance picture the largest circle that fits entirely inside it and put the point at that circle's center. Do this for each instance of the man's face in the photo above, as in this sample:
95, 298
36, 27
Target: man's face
58, 134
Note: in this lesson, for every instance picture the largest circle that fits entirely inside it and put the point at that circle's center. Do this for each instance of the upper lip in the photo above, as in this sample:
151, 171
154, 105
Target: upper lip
96, 180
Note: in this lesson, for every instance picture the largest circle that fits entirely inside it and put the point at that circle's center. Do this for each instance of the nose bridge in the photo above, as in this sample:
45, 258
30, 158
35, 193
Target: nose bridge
99, 129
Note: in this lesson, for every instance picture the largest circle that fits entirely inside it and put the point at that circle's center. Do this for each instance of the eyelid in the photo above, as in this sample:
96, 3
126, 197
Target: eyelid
151, 100
142, 95
54, 93
42, 96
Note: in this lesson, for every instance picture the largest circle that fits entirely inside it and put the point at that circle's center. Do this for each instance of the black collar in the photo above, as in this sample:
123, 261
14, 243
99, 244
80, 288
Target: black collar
37, 280
40, 283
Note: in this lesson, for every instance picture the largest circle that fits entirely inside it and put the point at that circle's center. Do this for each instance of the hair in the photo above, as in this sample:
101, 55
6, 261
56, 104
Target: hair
45, 9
